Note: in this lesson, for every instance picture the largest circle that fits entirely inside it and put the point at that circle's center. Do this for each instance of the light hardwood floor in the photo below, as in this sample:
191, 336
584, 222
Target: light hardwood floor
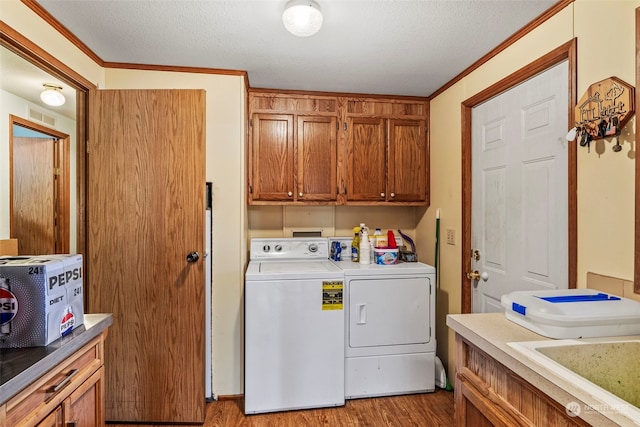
427, 409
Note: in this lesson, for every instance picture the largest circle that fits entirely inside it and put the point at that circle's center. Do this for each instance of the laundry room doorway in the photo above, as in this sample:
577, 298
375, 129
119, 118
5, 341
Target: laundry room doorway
39, 173
519, 184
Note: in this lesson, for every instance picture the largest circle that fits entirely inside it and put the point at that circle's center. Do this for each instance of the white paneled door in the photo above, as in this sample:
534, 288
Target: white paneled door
519, 222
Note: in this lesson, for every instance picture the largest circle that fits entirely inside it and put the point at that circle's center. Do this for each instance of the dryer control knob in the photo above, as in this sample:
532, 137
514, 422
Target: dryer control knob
266, 248
313, 248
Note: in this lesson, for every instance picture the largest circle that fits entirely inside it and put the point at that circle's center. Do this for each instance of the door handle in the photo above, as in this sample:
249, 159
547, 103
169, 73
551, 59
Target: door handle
476, 275
193, 256
362, 314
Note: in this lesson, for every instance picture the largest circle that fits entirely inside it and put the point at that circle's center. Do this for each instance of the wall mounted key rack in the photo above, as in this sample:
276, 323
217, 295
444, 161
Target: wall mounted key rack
603, 111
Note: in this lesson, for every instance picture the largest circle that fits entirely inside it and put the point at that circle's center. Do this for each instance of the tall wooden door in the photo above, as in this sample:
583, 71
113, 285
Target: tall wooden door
520, 186
146, 186
33, 219
39, 207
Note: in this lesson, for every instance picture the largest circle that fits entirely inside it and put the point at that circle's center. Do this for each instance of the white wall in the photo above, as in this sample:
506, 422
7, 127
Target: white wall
11, 104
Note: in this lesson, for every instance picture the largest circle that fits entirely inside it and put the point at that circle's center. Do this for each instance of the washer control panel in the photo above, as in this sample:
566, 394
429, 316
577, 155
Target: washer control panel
290, 248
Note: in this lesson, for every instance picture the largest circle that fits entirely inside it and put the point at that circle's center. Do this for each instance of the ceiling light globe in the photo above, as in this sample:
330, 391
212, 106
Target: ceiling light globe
51, 95
302, 18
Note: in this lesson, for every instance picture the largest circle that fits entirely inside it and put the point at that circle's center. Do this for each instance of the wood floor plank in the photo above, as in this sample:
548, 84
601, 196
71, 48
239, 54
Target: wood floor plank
418, 410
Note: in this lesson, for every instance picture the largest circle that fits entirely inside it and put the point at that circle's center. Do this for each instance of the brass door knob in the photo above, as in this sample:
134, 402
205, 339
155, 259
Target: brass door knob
476, 275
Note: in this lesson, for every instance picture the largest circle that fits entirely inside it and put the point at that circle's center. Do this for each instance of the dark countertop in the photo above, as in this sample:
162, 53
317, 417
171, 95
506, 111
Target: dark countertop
22, 366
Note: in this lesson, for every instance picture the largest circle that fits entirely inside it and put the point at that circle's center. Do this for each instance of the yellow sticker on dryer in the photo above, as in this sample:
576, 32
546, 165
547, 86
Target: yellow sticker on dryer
332, 295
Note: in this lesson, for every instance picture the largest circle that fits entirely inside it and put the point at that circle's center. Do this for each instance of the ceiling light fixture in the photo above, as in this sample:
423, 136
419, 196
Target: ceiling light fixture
51, 95
302, 18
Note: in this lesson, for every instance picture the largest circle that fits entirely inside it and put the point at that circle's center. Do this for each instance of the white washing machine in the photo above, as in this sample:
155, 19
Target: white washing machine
294, 326
390, 344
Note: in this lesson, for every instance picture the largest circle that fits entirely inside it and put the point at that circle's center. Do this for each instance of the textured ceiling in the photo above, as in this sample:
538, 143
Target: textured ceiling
399, 47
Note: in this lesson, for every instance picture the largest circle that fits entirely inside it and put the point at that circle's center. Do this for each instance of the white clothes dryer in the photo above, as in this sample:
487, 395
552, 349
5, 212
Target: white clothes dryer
390, 343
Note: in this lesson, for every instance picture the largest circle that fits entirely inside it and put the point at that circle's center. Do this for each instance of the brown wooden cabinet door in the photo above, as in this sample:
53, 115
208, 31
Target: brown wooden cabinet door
85, 406
145, 214
272, 161
407, 166
54, 419
366, 159
316, 158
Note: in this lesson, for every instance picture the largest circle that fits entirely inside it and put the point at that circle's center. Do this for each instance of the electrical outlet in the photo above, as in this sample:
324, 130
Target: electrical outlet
451, 236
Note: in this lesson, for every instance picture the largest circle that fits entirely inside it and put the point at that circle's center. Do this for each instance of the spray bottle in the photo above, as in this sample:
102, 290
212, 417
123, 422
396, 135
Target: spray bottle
365, 246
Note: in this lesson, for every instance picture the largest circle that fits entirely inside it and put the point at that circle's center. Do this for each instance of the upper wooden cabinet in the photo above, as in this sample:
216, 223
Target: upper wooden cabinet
407, 173
365, 172
308, 148
293, 151
316, 148
293, 163
272, 157
387, 160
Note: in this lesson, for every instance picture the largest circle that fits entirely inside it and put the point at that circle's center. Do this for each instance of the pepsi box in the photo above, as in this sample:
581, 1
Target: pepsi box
41, 299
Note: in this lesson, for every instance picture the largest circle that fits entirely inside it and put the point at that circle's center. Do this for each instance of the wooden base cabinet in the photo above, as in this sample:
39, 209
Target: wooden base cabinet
489, 394
71, 394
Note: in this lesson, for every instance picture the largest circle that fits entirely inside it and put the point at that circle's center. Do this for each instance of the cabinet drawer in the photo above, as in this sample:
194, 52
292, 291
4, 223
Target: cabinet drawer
35, 402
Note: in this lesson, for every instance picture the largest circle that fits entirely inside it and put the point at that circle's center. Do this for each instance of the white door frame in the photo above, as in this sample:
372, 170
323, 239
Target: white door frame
565, 52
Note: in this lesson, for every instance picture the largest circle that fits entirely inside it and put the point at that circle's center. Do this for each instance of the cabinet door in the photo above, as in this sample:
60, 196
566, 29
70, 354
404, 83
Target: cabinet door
85, 406
407, 180
316, 155
272, 157
366, 164
54, 419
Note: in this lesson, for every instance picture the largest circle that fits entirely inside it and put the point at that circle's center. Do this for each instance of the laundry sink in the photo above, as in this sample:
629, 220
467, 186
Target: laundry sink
606, 368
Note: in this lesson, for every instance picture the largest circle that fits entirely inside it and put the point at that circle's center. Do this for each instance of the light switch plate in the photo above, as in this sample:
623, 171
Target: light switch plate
451, 236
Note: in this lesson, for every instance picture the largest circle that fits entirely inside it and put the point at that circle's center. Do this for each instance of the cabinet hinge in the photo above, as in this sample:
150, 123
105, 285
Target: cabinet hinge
250, 189
87, 147
345, 126
250, 122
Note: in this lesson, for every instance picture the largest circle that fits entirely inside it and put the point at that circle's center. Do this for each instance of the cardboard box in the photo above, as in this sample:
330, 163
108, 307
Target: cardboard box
41, 299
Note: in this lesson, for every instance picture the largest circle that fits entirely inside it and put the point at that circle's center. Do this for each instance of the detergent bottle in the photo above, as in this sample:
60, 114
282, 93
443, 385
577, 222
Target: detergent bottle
374, 239
365, 245
355, 245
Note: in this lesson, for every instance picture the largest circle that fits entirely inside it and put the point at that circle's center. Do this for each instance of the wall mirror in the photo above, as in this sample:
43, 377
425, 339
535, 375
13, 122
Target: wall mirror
58, 133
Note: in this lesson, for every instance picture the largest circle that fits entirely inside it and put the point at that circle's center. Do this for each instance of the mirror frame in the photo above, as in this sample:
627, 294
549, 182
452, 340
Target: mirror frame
636, 279
26, 49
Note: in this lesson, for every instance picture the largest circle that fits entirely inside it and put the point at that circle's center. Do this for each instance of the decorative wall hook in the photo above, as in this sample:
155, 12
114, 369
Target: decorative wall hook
603, 111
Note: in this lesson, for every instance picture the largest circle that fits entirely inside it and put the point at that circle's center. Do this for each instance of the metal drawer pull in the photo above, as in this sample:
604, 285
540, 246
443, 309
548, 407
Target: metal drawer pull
63, 383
